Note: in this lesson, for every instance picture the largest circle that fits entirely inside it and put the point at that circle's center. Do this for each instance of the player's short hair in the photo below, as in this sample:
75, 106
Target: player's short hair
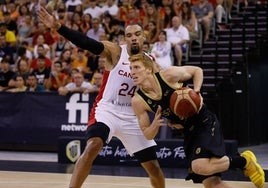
146, 59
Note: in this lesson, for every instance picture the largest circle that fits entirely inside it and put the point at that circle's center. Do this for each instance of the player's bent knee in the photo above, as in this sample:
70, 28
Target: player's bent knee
200, 167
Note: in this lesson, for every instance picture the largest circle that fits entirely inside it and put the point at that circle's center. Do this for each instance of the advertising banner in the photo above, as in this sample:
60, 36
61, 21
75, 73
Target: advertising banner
40, 118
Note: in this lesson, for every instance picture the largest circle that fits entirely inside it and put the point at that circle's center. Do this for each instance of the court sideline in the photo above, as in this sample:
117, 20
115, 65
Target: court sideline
39, 169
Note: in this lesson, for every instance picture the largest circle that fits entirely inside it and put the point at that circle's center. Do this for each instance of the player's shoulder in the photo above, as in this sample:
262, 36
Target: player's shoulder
136, 99
111, 48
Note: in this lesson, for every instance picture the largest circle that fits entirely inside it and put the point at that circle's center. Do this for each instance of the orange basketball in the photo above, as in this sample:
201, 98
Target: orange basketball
185, 102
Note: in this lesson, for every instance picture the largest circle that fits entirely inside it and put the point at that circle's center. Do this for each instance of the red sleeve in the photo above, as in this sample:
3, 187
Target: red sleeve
48, 63
34, 64
49, 39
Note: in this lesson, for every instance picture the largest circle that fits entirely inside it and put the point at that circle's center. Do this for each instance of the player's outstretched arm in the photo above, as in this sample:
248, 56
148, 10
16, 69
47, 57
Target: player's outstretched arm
76, 37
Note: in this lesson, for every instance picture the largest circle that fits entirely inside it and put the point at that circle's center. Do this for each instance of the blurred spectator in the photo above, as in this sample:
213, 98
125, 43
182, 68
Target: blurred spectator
162, 10
230, 6
23, 11
80, 62
26, 30
33, 6
161, 51
71, 75
53, 5
204, 13
41, 52
12, 9
6, 51
70, 6
111, 8
66, 60
142, 7
11, 24
96, 83
177, 6
79, 9
6, 74
189, 21
42, 29
19, 84
33, 85
94, 10
6, 5
179, 38
42, 72
22, 69
166, 17
101, 65
86, 23
57, 78
117, 31
9, 35
29, 53
77, 19
220, 12
106, 23
92, 62
122, 12
61, 13
132, 16
24, 53
78, 85
40, 41
96, 29
152, 32
85, 4
151, 15
146, 47
59, 46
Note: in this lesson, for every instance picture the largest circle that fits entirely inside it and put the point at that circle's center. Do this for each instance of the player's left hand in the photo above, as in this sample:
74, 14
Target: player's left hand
158, 120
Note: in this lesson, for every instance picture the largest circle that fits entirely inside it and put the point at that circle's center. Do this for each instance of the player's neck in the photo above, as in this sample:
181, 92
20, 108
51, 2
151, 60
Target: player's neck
150, 87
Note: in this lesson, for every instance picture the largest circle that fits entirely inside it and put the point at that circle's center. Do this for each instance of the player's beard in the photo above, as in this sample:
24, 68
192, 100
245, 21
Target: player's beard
135, 50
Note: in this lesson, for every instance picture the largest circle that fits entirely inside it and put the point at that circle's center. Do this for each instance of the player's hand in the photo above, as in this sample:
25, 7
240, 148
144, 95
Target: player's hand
49, 20
175, 125
201, 102
158, 120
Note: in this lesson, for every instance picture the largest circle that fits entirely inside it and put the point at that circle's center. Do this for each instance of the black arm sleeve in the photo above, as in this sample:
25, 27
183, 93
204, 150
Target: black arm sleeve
81, 40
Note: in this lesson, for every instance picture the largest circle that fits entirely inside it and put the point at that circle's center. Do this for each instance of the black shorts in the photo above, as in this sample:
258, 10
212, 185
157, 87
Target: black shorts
203, 139
98, 129
146, 154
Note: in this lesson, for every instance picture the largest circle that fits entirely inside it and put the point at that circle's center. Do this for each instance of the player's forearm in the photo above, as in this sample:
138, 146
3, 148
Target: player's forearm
198, 79
150, 132
81, 40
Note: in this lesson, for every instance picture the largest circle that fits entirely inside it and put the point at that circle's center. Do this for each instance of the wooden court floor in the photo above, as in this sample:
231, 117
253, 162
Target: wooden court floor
10, 179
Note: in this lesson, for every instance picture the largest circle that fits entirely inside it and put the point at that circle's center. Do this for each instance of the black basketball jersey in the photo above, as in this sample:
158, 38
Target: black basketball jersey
163, 102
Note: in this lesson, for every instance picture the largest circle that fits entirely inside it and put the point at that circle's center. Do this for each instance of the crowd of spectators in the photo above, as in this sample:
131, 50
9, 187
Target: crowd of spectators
47, 61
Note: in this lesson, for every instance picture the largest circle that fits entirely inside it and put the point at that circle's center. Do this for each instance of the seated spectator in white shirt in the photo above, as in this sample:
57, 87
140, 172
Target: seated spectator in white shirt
94, 9
161, 51
178, 36
77, 85
110, 7
96, 29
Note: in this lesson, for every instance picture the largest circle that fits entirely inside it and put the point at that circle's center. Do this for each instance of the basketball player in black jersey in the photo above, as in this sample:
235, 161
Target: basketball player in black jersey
204, 142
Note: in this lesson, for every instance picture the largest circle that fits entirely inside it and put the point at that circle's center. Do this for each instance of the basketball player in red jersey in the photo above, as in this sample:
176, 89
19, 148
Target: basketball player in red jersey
203, 140
112, 114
